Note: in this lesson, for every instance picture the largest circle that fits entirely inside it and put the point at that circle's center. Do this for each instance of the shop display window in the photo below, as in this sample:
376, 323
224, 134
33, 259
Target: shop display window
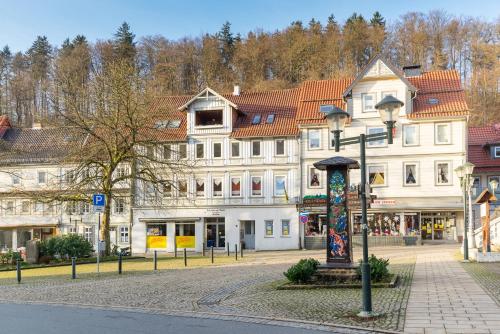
316, 225
379, 224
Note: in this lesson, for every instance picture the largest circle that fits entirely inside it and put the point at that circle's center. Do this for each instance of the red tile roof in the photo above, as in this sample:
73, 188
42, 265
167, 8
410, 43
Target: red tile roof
165, 108
281, 103
479, 150
443, 87
315, 93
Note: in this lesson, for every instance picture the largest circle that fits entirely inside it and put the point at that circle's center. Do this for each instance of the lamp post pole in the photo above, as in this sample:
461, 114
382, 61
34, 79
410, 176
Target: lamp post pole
466, 230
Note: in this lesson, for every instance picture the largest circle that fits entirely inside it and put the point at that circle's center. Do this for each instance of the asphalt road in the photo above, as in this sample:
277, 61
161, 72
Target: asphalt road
49, 319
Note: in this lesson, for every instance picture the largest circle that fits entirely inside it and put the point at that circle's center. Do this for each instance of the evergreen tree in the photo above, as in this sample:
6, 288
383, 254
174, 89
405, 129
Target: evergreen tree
226, 43
377, 20
123, 44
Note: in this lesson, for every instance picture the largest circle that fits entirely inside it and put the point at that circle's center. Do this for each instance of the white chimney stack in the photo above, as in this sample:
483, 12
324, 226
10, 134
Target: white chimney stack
236, 90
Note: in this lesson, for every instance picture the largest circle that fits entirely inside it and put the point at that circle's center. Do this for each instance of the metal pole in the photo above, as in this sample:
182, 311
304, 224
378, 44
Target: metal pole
212, 253
98, 239
175, 246
18, 269
185, 258
227, 243
336, 138
236, 251
155, 260
390, 127
365, 266
203, 250
73, 267
120, 263
471, 218
241, 250
466, 239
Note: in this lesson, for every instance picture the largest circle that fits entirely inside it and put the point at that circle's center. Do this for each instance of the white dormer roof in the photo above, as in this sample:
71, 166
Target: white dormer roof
206, 94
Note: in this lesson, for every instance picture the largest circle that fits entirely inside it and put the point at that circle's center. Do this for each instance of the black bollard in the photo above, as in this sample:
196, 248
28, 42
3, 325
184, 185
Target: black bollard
185, 258
228, 249
73, 267
241, 250
212, 253
175, 249
155, 260
18, 269
236, 251
203, 250
120, 263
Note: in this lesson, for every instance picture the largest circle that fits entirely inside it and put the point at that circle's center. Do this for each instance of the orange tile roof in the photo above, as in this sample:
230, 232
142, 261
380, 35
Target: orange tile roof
445, 87
165, 108
315, 93
282, 103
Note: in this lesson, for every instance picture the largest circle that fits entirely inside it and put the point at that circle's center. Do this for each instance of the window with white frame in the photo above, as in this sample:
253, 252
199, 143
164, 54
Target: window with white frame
476, 186
314, 139
217, 150
279, 149
182, 151
235, 186
123, 234
121, 172
200, 151
200, 188
269, 224
235, 149
442, 134
256, 148
374, 130
217, 186
16, 180
69, 177
411, 175
443, 173
368, 102
377, 175
72, 230
280, 185
167, 152
256, 185
25, 207
119, 204
314, 180
182, 188
72, 208
42, 177
496, 151
38, 207
85, 208
88, 234
285, 227
411, 135
9, 207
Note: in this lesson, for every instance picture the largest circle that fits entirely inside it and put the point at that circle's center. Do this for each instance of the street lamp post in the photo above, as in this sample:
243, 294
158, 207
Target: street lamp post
464, 173
388, 109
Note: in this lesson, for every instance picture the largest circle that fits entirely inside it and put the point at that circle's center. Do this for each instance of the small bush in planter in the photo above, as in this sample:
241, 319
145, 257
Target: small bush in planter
302, 271
378, 268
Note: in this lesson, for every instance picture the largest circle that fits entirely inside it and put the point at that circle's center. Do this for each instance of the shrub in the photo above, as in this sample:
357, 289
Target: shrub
66, 246
302, 271
378, 268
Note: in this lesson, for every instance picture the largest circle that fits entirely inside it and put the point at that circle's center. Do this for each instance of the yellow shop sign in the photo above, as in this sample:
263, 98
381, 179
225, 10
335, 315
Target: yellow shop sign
155, 241
185, 241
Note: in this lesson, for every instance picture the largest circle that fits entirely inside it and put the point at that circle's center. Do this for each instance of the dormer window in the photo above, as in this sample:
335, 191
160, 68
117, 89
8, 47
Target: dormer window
256, 119
208, 117
496, 151
270, 118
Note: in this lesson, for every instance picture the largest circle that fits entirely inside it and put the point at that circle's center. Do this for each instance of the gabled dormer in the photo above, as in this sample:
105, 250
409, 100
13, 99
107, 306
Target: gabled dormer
210, 112
378, 79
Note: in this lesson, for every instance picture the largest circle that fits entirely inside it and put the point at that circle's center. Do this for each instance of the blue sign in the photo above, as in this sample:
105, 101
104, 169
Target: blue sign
99, 199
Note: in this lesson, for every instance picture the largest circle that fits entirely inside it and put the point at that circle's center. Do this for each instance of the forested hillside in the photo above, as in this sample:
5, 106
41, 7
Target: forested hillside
34, 83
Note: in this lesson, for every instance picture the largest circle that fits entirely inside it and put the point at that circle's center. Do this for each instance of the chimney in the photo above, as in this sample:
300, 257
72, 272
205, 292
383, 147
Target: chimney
36, 125
236, 90
412, 70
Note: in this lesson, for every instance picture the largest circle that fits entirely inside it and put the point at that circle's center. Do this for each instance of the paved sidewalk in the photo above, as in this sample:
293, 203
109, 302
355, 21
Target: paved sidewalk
445, 299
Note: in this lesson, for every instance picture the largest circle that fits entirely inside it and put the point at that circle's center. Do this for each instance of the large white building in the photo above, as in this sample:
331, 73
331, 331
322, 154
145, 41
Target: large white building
253, 180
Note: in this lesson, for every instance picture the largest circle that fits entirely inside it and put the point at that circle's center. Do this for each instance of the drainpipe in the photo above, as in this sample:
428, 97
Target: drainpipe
301, 226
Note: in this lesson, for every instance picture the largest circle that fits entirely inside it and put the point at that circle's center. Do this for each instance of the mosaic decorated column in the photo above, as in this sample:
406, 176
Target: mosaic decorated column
339, 239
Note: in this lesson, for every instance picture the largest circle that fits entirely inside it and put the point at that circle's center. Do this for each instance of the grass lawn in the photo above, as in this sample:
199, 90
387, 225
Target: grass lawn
108, 269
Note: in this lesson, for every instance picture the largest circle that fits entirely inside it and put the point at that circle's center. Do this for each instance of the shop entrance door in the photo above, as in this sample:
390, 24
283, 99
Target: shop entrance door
216, 235
433, 228
248, 233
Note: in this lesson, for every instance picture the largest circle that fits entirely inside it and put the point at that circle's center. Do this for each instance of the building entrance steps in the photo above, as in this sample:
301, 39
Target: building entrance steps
444, 298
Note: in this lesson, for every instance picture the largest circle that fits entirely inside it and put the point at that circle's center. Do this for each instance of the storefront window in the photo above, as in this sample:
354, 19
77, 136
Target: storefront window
156, 236
185, 235
386, 223
316, 225
412, 224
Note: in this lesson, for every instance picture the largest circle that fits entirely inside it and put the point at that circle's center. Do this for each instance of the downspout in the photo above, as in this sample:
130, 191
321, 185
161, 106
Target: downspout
301, 226
133, 168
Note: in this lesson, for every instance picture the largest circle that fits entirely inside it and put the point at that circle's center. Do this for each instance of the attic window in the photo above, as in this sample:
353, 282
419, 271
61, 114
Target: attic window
208, 117
164, 124
433, 101
256, 119
496, 151
270, 119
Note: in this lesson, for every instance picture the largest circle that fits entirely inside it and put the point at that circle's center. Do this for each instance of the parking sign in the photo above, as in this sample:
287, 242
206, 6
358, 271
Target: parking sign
99, 200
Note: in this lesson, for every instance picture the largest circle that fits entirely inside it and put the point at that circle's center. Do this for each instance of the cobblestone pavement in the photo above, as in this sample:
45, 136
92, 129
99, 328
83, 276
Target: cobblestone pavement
487, 275
446, 299
242, 289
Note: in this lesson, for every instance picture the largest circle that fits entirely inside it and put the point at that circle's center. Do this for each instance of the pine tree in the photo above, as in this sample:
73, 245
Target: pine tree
226, 43
377, 19
123, 44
